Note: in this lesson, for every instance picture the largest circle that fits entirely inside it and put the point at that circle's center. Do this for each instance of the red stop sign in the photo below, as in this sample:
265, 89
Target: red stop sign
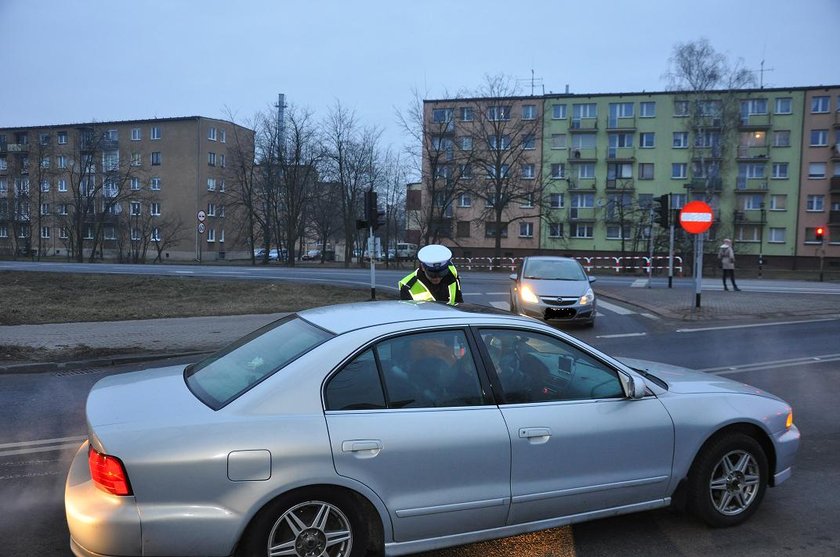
696, 217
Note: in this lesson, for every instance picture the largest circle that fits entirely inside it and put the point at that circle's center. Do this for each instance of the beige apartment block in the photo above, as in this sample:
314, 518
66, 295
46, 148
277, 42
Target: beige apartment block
819, 194
133, 191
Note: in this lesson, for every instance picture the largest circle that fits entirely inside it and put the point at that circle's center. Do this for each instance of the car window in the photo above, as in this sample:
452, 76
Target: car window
227, 374
533, 367
356, 386
421, 370
553, 270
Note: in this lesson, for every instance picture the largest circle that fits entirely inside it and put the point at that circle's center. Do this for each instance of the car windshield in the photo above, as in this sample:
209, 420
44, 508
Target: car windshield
224, 376
553, 270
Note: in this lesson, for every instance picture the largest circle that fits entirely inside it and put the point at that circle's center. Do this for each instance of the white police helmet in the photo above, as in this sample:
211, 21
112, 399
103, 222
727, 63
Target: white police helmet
435, 259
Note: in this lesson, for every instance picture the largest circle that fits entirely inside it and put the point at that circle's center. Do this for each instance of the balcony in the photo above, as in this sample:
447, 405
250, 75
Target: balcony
753, 152
754, 122
748, 185
583, 124
14, 147
750, 217
582, 214
579, 154
626, 154
833, 217
707, 153
834, 186
623, 184
582, 184
835, 152
712, 185
621, 124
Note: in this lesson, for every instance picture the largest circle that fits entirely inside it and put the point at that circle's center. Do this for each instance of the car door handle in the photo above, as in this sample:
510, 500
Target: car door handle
369, 446
535, 434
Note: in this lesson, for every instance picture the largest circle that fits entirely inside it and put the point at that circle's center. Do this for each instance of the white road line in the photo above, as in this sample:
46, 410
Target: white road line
42, 449
620, 335
76, 438
723, 328
184, 272
639, 283
614, 308
773, 364
649, 315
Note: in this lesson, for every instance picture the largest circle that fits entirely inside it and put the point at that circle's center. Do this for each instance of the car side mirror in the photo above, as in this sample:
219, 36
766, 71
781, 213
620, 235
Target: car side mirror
592, 279
635, 388
513, 276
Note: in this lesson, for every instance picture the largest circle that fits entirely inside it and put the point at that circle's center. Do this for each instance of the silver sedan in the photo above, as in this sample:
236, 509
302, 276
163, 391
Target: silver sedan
400, 427
549, 287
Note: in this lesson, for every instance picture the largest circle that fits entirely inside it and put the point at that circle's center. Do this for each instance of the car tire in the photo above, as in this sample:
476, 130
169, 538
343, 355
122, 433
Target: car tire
513, 309
317, 522
728, 480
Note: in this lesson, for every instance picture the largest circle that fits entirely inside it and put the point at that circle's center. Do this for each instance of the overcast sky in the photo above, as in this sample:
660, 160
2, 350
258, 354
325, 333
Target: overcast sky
68, 61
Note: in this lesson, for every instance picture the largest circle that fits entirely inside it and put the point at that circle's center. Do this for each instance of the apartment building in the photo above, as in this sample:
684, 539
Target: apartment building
136, 190
766, 160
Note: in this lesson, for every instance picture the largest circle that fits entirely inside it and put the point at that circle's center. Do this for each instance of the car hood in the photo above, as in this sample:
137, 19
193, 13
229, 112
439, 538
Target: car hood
687, 381
557, 287
147, 397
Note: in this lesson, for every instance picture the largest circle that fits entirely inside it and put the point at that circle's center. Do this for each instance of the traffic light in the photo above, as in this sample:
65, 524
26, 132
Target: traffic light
819, 232
380, 218
662, 210
370, 206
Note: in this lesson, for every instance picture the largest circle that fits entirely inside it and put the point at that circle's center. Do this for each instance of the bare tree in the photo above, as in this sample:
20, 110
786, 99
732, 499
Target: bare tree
243, 195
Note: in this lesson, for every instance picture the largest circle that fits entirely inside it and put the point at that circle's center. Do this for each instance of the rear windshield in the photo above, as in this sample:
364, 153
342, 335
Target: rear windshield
221, 378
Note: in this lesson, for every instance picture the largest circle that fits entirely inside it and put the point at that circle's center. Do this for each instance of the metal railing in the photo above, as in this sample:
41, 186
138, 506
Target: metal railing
615, 264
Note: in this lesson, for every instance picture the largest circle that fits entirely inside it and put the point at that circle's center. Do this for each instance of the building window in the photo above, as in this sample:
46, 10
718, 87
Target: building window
466, 171
62, 138
44, 138
647, 140
778, 202
586, 171
499, 142
498, 113
4, 164
621, 110
529, 112
211, 159
154, 183
815, 203
211, 209
134, 208
784, 105
466, 143
45, 232
529, 142
155, 158
582, 200
647, 110
555, 230
211, 235
135, 184
222, 160
681, 108
584, 110
819, 105
222, 185
154, 134
62, 184
580, 230
465, 114
527, 201
816, 170
45, 208
680, 140
555, 200
4, 231
646, 171
154, 209
528, 171
136, 159
780, 170
819, 138
222, 136
491, 229
754, 106
136, 134
558, 141
221, 214
45, 186
211, 134
781, 138
526, 229
155, 235
558, 112
4, 186
679, 170
777, 236
583, 141
465, 200
211, 184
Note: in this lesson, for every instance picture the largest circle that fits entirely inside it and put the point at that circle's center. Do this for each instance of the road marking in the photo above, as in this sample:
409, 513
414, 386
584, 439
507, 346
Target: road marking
40, 446
753, 325
639, 283
620, 335
649, 315
772, 364
184, 272
501, 305
614, 308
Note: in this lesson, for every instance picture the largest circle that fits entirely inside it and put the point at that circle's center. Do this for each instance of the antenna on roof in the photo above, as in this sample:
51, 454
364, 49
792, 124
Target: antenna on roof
761, 74
534, 82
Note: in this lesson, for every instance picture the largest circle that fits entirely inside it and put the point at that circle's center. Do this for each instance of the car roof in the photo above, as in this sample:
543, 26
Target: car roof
342, 318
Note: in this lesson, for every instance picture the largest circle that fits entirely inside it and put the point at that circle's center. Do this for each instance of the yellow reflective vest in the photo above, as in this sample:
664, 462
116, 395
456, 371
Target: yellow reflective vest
420, 293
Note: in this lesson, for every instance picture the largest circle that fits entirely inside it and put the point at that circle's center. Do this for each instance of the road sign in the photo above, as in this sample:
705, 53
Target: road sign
201, 216
201, 228
696, 217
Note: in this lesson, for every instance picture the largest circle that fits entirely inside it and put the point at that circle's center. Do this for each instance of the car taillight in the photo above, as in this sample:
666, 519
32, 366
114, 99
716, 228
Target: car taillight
108, 473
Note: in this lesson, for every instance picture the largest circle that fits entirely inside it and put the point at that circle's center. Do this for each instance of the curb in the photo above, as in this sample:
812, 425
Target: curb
105, 361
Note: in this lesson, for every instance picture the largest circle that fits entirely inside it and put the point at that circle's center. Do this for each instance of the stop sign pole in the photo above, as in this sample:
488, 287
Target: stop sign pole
696, 218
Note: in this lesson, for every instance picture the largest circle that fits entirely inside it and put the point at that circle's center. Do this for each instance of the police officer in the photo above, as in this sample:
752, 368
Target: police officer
436, 279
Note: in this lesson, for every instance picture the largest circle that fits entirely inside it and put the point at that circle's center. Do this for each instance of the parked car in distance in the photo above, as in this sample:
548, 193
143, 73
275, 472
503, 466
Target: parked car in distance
400, 427
548, 288
311, 255
406, 251
273, 254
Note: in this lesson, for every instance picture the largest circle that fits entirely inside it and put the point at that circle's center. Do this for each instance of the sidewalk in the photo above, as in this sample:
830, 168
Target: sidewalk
157, 338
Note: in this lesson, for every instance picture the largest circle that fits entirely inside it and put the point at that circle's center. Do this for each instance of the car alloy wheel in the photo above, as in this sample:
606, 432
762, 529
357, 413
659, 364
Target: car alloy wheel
311, 529
728, 480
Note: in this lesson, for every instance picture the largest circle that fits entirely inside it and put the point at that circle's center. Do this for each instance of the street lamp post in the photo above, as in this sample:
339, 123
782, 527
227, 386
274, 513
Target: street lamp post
761, 239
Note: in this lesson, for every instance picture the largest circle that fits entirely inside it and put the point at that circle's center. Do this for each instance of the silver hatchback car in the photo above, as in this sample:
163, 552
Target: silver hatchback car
548, 287
400, 427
